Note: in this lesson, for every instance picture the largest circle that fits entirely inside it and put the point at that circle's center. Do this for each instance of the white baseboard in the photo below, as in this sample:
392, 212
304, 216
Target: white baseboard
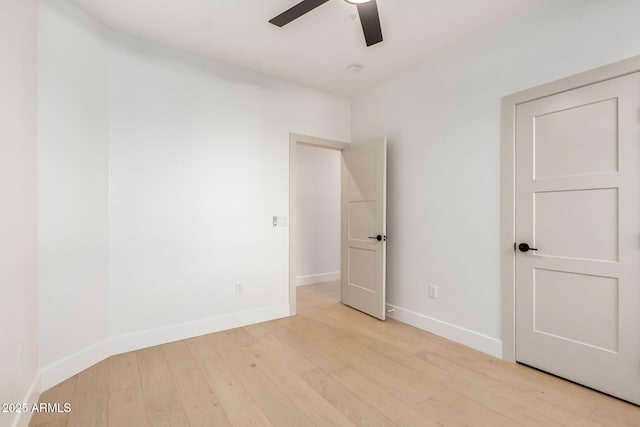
75, 363
30, 398
152, 337
461, 335
317, 278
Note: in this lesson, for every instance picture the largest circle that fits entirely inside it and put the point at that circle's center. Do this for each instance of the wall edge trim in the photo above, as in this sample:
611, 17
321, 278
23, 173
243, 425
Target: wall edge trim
312, 279
75, 363
464, 336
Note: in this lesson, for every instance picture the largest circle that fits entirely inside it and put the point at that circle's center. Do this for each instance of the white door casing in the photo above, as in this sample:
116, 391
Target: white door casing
363, 218
577, 200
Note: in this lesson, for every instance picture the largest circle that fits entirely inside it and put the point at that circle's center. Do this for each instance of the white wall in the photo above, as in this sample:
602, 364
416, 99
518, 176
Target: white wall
199, 158
159, 173
317, 215
443, 122
73, 190
18, 268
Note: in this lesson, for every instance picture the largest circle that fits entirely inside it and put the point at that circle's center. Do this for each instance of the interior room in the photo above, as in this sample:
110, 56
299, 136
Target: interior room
160, 264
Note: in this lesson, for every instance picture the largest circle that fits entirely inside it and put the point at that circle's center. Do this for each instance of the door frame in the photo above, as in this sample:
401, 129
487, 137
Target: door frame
508, 175
296, 139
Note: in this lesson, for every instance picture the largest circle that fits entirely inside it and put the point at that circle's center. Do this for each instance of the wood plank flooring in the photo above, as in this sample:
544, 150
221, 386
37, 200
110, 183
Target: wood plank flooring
327, 366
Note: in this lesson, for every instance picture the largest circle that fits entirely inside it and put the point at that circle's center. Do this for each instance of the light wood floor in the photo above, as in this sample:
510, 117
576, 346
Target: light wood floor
330, 365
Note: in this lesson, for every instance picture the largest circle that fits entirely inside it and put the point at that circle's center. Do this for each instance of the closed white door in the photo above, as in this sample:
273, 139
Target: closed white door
363, 225
577, 207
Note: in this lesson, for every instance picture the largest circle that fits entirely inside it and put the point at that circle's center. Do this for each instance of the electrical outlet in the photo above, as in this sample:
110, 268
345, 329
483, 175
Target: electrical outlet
239, 288
433, 291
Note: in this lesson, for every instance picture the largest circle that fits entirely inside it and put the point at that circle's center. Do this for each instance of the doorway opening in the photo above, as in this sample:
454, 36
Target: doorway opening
314, 211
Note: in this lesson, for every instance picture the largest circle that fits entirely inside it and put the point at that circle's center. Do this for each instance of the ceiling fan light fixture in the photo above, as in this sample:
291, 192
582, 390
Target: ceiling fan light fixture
367, 10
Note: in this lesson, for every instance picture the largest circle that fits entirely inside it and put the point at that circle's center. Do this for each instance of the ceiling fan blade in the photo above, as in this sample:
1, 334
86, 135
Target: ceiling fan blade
370, 20
296, 12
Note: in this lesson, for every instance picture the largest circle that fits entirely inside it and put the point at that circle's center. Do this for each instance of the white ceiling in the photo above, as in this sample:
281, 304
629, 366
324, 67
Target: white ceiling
315, 49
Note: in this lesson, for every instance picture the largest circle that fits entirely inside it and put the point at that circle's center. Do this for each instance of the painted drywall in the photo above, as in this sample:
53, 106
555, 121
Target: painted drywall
159, 173
18, 260
317, 215
442, 118
73, 190
199, 160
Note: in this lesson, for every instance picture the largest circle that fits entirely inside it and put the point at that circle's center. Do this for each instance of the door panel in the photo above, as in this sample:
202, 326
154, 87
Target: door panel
362, 268
577, 203
364, 174
362, 219
577, 141
594, 319
561, 218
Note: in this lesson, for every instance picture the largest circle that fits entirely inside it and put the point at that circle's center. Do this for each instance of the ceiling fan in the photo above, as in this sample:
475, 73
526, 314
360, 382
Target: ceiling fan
367, 9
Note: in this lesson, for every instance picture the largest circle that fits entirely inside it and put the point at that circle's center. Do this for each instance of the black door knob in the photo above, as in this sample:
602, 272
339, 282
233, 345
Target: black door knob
524, 247
378, 237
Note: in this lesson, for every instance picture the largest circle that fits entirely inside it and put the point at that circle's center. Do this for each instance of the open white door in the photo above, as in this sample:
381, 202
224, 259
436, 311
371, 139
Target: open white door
363, 240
